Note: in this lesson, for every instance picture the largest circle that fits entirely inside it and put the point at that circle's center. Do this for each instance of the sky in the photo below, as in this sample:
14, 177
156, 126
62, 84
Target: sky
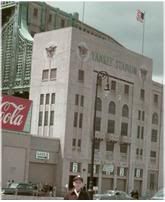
118, 19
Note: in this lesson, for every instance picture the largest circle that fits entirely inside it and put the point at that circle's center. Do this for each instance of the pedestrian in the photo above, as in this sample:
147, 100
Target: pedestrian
77, 193
8, 183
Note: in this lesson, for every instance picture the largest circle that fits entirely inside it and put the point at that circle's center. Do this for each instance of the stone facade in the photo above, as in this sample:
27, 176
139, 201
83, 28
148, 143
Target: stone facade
129, 119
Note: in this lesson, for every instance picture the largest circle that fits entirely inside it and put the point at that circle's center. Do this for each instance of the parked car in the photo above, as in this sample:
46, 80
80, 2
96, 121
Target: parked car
160, 195
113, 195
19, 189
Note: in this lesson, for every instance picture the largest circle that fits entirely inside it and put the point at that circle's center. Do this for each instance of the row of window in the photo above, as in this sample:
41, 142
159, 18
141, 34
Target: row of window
79, 100
111, 126
49, 98
74, 143
49, 74
75, 121
45, 115
50, 17
75, 167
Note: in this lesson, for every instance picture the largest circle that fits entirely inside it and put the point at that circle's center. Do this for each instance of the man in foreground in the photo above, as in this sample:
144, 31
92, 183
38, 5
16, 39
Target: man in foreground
77, 193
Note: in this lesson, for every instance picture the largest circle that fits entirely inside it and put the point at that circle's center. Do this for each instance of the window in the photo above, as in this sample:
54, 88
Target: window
51, 118
81, 75
121, 171
79, 143
141, 152
47, 99
41, 99
45, 74
152, 181
153, 154
50, 18
53, 73
142, 132
80, 120
40, 119
62, 23
137, 151
154, 135
124, 129
82, 101
109, 146
53, 98
143, 116
138, 132
112, 108
76, 99
123, 148
73, 142
111, 126
125, 111
126, 89
35, 12
113, 85
155, 118
75, 119
97, 144
98, 124
155, 98
139, 115
98, 104
95, 168
46, 118
142, 94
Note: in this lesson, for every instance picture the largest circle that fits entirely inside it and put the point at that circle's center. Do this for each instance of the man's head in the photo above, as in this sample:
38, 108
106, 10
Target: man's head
78, 182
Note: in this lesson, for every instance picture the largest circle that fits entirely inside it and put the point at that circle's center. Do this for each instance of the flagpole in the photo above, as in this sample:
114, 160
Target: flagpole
143, 35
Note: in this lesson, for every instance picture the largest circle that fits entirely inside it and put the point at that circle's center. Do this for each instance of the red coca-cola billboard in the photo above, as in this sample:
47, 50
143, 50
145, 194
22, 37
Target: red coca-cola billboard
14, 111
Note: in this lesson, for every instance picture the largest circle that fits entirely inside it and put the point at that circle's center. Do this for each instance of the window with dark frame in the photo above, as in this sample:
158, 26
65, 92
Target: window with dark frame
138, 132
112, 108
97, 145
98, 124
155, 98
46, 118
40, 118
81, 75
73, 142
126, 89
50, 18
76, 99
79, 143
35, 12
41, 99
53, 95
45, 74
53, 73
82, 101
124, 129
51, 118
142, 94
125, 111
123, 148
111, 126
47, 99
109, 146
154, 135
153, 154
75, 119
113, 85
80, 120
98, 104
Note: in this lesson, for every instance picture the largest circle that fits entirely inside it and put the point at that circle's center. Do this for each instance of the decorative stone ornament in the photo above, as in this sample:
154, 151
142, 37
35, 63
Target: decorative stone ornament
51, 51
83, 51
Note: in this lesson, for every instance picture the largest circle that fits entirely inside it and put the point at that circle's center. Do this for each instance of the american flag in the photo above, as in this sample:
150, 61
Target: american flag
140, 15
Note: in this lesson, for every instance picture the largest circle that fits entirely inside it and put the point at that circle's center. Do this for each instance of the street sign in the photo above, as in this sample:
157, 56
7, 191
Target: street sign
40, 155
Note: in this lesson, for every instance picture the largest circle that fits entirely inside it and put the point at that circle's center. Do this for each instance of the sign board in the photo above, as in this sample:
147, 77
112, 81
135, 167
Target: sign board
121, 172
108, 168
40, 155
13, 113
75, 167
137, 172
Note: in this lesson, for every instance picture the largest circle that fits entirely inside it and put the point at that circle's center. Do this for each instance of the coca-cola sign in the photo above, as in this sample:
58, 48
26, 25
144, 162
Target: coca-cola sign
14, 112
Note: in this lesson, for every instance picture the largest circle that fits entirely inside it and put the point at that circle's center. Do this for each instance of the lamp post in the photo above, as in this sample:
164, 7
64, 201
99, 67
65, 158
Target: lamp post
101, 75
